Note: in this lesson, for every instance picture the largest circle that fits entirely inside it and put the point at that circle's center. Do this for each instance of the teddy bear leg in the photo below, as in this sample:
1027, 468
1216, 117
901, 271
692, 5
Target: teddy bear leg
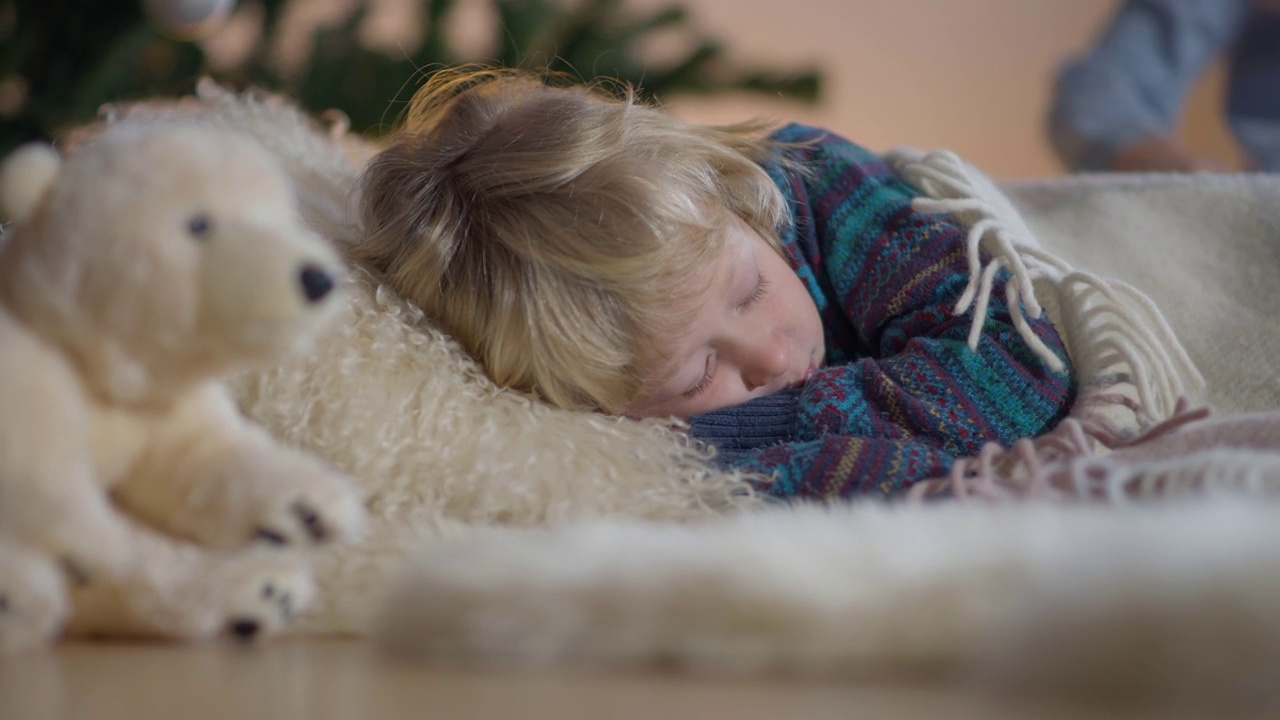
184, 592
67, 515
33, 599
222, 482
51, 498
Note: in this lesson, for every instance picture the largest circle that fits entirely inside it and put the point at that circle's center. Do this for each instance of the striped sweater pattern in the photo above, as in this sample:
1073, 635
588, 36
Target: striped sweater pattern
901, 395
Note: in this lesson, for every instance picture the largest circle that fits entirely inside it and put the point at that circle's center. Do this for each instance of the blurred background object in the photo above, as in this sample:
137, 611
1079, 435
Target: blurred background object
975, 76
190, 19
1116, 105
62, 60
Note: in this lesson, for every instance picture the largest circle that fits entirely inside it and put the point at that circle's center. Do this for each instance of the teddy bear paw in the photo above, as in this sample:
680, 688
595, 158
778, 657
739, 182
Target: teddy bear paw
313, 521
268, 603
33, 602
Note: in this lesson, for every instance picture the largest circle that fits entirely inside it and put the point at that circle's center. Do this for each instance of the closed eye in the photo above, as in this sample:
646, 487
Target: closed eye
762, 286
703, 383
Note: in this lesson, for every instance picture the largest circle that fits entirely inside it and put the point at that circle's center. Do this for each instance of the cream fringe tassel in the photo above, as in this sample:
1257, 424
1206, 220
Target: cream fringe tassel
1110, 327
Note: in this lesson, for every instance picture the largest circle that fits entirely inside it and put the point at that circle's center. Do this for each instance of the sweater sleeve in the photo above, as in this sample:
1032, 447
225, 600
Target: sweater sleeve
902, 395
843, 467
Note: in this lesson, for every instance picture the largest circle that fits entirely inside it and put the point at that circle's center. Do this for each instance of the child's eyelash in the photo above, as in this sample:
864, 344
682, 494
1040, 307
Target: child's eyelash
704, 383
762, 285
759, 292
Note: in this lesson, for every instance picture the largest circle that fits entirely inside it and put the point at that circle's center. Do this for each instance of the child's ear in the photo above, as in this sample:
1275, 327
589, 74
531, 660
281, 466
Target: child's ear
25, 178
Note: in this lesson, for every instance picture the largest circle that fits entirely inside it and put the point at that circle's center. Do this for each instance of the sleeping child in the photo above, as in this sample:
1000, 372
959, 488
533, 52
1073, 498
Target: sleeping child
772, 286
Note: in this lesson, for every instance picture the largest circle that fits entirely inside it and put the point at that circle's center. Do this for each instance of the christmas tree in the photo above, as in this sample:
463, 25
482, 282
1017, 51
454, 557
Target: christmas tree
60, 60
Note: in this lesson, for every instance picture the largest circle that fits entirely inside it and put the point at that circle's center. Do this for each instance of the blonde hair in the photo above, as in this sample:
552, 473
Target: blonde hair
557, 232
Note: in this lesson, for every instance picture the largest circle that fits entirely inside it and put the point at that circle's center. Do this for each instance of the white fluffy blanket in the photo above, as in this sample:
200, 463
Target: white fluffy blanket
1205, 248
1174, 600
552, 536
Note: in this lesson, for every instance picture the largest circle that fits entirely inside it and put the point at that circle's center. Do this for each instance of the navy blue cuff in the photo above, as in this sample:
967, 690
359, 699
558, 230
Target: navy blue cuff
764, 421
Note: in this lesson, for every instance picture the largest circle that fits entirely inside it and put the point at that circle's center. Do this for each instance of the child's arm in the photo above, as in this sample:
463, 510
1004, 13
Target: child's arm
903, 395
757, 439
839, 466
888, 278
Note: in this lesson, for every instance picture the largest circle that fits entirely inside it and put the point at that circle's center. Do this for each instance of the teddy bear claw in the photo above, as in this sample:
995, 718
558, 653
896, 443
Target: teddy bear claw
311, 521
74, 572
243, 629
299, 523
306, 521
268, 605
270, 537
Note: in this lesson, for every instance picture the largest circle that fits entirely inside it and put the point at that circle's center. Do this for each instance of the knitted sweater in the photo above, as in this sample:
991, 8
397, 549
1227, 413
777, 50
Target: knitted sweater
902, 395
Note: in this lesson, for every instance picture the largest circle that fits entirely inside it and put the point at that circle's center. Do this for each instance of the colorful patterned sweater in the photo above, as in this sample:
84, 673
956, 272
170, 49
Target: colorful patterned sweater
902, 395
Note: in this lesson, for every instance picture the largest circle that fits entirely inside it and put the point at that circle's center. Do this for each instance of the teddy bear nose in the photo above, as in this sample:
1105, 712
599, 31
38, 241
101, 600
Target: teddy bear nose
316, 283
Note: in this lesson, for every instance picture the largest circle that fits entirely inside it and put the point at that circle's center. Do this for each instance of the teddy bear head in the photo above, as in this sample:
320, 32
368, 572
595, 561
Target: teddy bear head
159, 256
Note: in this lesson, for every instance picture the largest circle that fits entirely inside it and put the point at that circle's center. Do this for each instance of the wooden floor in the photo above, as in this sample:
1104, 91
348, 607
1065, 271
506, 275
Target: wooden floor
316, 680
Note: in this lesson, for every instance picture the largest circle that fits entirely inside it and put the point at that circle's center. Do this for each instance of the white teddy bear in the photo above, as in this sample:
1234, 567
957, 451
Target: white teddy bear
138, 272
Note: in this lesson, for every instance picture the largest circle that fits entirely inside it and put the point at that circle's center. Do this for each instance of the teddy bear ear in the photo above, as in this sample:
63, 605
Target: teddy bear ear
25, 177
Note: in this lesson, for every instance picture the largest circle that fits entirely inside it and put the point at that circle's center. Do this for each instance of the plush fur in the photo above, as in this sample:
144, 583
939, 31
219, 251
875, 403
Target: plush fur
1172, 600
33, 599
139, 271
559, 537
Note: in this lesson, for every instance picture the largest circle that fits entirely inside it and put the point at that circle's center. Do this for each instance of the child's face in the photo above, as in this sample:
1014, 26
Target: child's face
756, 331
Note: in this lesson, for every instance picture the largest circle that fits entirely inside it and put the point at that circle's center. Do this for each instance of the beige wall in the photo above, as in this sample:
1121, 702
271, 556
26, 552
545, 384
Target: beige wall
970, 75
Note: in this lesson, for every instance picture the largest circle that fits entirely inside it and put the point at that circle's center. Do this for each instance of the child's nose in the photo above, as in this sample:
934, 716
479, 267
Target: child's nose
765, 363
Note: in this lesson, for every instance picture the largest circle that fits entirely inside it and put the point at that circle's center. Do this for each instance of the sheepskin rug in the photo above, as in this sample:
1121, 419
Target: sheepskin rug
1168, 600
507, 531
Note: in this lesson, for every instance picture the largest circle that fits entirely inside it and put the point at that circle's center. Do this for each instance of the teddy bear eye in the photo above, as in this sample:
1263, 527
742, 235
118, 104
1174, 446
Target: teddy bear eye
200, 226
